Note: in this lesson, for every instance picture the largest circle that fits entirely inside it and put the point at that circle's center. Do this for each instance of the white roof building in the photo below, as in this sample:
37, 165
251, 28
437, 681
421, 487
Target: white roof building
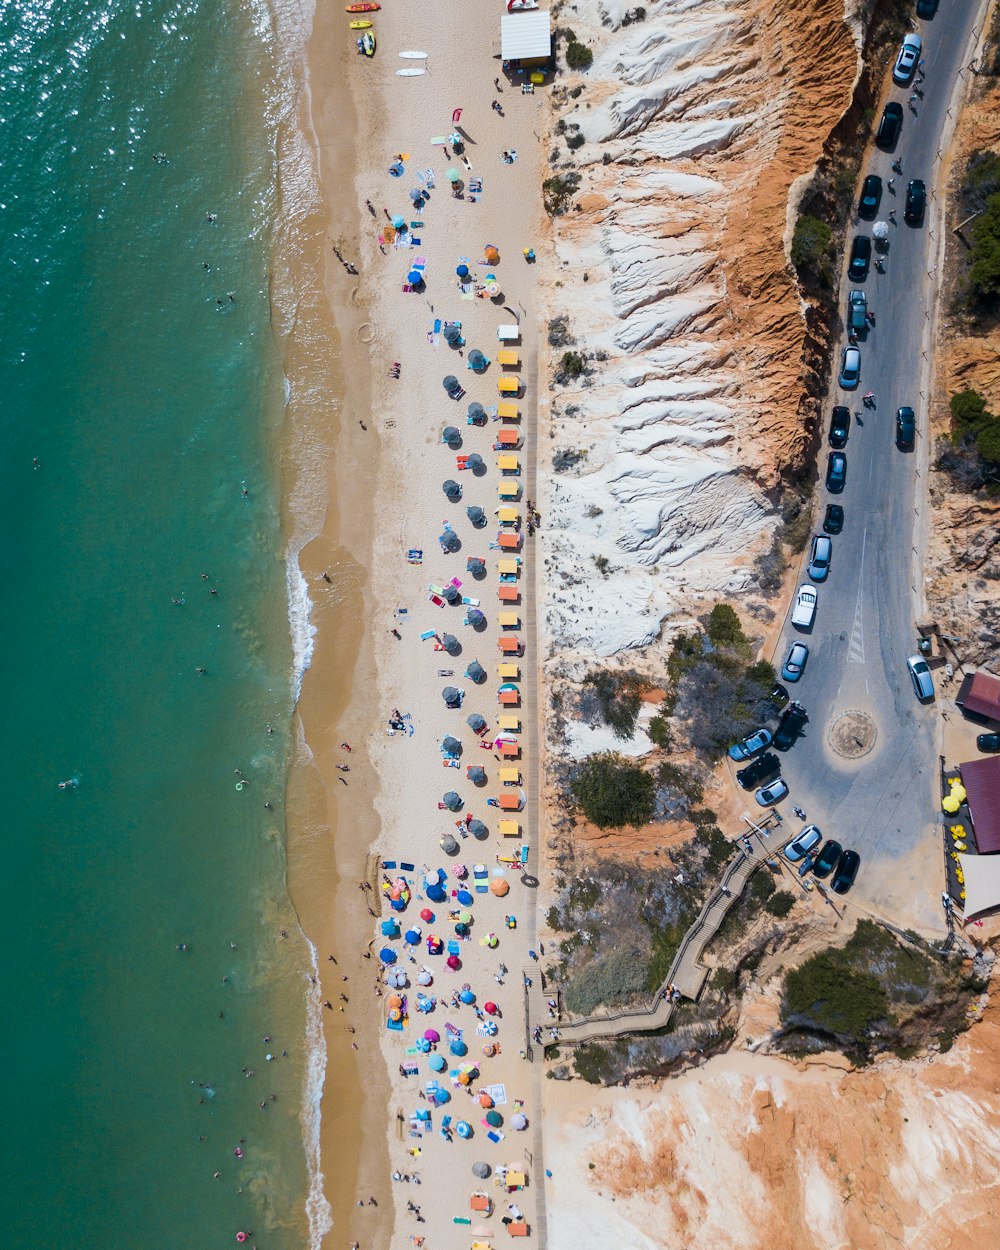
526, 36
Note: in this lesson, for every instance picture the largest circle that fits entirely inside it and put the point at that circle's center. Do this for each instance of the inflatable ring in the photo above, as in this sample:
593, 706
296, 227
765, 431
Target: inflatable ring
489, 1051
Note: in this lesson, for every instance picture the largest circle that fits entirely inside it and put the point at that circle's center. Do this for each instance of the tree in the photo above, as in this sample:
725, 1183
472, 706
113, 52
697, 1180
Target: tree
613, 792
984, 255
579, 56
811, 244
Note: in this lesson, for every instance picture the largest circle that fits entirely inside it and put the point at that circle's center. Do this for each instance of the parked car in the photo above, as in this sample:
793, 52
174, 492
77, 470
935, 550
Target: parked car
916, 202
926, 8
836, 472
768, 795
847, 870
795, 661
833, 521
920, 675
778, 696
871, 197
988, 742
840, 426
890, 126
906, 428
850, 368
857, 312
790, 726
861, 258
827, 859
804, 609
907, 59
763, 768
750, 745
800, 846
819, 558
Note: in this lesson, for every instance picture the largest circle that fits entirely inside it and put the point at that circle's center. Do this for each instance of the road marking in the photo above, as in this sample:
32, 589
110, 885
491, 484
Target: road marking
856, 648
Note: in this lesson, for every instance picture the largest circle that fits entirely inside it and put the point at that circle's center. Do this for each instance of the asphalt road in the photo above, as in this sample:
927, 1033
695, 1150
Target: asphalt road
883, 804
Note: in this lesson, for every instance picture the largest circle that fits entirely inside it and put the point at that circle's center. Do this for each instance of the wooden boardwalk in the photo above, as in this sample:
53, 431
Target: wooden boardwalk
687, 973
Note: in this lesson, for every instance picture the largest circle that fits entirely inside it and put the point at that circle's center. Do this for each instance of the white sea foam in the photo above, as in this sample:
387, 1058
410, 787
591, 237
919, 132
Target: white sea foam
317, 1208
300, 623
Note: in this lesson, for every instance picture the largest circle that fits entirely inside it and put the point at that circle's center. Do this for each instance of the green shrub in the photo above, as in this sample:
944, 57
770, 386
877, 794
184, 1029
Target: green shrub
574, 364
827, 994
974, 426
724, 629
613, 792
812, 249
557, 192
575, 141
594, 1065
579, 56
614, 978
618, 694
983, 278
659, 732
780, 903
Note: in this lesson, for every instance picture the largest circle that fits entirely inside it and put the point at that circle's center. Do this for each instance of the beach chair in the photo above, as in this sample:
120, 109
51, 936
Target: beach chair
453, 947
470, 602
461, 462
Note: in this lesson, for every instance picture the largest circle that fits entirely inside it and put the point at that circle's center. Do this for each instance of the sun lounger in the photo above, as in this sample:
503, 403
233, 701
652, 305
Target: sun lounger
470, 602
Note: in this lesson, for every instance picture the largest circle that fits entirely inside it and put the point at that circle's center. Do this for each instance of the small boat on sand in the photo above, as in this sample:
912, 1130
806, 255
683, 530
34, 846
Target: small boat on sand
361, 25
366, 43
369, 6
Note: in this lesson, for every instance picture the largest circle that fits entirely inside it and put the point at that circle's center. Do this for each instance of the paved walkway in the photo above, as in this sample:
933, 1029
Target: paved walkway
687, 973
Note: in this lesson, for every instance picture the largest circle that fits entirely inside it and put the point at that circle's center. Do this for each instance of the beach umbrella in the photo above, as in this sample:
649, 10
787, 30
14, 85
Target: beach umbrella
475, 461
476, 774
437, 1063
415, 277
880, 230
476, 722
452, 800
461, 930
422, 1045
450, 594
476, 515
449, 845
465, 917
475, 671
398, 222
452, 333
449, 541
450, 745
453, 177
499, 887
453, 962
387, 955
477, 360
452, 436
449, 641
464, 897
491, 940
462, 270
416, 194
482, 1170
451, 488
474, 617
493, 1118
467, 996
490, 1008
458, 1047
460, 871
432, 1035
477, 829
450, 383
412, 937
390, 928
436, 893
434, 876
491, 254
475, 565
434, 943
426, 914
950, 804
450, 696
463, 1128
425, 977
519, 1122
476, 411
394, 1001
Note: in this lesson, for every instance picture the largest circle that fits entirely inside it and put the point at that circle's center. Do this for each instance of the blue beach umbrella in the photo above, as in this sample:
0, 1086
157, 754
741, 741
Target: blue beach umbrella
436, 893
458, 1047
390, 928
462, 271
464, 897
467, 996
412, 937
437, 1063
414, 277
387, 955
399, 222
463, 1128
422, 1044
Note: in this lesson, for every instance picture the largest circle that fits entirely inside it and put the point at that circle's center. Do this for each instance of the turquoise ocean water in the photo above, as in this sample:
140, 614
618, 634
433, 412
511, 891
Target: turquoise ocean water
152, 402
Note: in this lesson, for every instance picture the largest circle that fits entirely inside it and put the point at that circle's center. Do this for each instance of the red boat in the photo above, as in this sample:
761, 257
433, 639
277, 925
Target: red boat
368, 7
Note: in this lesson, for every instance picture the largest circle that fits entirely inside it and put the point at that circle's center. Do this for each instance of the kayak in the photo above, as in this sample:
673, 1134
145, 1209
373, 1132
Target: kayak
360, 25
368, 7
366, 43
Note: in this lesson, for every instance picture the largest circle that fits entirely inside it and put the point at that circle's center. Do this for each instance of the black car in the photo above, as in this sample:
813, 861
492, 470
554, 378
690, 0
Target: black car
906, 428
861, 258
790, 726
833, 522
764, 768
916, 202
778, 696
836, 472
871, 196
988, 742
847, 870
827, 859
890, 126
840, 426
927, 8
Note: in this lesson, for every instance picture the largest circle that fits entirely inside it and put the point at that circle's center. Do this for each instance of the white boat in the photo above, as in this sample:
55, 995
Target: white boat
514, 5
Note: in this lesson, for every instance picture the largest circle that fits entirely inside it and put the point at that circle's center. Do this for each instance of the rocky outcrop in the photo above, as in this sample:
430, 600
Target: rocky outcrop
690, 138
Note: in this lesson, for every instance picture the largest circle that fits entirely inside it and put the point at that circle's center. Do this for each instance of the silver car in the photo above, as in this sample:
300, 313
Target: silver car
799, 847
819, 558
920, 675
850, 368
772, 793
795, 662
907, 59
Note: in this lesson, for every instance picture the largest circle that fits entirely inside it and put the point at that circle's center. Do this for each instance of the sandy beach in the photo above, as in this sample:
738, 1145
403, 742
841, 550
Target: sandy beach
376, 619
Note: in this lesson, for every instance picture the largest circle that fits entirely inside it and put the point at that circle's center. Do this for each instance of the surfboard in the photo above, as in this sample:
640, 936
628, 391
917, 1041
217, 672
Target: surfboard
414, 56
410, 73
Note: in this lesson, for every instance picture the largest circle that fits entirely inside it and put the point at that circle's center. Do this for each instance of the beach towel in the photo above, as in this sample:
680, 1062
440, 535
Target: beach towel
429, 175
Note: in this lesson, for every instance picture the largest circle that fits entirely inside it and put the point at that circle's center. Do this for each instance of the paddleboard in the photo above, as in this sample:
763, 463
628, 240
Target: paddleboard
361, 25
414, 56
410, 73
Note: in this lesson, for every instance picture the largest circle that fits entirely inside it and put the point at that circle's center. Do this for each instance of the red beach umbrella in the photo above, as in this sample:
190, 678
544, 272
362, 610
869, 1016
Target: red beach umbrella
490, 1008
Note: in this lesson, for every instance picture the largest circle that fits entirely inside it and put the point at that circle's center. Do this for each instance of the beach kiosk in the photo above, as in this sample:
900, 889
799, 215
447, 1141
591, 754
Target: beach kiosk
509, 619
508, 748
510, 776
509, 333
509, 464
526, 39
509, 567
509, 645
507, 439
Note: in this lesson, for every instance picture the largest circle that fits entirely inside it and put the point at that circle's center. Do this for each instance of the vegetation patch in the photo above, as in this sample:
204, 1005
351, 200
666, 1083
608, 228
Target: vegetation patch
558, 192
613, 792
812, 250
618, 696
972, 455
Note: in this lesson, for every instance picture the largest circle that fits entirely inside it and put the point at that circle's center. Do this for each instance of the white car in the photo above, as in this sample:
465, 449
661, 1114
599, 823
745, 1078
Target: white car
804, 611
850, 368
907, 59
800, 846
774, 792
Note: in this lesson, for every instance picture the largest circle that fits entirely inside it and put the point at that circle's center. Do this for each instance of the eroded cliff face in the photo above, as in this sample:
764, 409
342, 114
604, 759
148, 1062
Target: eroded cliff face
751, 1151
697, 125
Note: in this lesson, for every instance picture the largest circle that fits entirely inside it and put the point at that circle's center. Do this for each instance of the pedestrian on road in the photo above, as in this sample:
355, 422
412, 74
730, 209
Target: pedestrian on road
891, 184
892, 216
